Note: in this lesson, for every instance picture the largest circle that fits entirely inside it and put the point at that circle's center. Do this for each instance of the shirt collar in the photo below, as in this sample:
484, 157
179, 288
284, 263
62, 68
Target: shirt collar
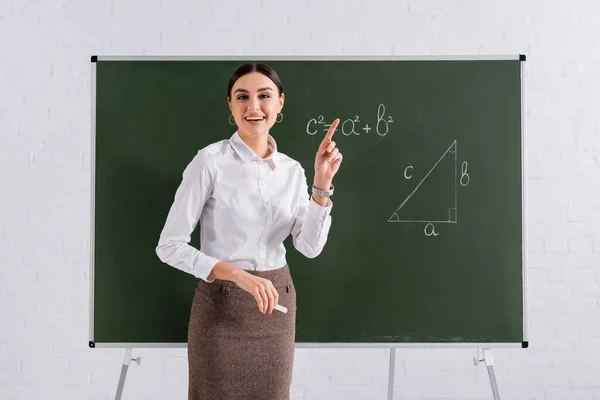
247, 154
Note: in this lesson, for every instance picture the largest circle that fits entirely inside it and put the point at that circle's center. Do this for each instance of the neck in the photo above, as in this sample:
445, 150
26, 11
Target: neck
258, 143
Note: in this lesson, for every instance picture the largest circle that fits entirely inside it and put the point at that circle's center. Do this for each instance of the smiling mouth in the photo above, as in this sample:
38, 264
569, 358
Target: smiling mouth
250, 119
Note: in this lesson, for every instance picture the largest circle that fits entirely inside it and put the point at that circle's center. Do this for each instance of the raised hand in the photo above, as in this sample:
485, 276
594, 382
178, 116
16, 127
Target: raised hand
328, 158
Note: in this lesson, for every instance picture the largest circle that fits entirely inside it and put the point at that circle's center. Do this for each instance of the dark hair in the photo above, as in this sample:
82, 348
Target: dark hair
254, 67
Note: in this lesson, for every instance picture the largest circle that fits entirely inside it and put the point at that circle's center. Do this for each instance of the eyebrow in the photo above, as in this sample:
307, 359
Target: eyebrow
260, 90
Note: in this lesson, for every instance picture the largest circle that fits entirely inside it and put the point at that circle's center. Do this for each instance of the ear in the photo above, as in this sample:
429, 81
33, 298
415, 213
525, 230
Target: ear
229, 103
281, 101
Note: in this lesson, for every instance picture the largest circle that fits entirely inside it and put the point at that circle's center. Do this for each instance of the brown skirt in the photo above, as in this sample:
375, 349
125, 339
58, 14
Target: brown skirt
234, 350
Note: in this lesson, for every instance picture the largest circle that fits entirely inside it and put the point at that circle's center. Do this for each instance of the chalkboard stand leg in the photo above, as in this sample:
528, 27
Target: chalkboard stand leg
391, 376
124, 369
489, 362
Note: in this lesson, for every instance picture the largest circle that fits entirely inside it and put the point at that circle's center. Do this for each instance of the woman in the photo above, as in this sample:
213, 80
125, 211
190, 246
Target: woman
248, 198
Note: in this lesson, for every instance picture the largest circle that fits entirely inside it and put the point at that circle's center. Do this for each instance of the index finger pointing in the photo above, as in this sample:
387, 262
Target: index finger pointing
331, 130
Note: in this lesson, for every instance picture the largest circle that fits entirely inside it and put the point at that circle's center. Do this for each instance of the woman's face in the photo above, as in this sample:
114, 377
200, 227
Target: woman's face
254, 103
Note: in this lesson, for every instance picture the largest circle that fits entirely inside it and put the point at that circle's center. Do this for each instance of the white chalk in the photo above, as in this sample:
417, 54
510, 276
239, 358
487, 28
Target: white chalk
280, 308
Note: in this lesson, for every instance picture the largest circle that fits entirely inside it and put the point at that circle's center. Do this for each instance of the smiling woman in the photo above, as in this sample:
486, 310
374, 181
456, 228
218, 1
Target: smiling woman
248, 197
255, 96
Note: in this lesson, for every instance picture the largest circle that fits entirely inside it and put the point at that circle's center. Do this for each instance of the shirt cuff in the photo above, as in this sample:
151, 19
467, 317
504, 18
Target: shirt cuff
205, 267
317, 211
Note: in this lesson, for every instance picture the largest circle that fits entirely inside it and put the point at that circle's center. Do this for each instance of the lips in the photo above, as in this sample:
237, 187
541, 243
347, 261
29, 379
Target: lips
254, 118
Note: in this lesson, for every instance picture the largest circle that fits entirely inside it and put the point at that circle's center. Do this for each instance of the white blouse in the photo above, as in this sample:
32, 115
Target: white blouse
247, 206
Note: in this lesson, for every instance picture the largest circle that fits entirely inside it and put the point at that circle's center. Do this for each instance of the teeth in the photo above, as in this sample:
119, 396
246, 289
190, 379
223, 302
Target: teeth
254, 118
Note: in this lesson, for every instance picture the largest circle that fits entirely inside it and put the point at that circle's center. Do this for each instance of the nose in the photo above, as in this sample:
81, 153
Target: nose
253, 104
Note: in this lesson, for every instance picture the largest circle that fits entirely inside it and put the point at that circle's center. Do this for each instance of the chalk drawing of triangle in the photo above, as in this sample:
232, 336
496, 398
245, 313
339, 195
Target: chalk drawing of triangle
433, 200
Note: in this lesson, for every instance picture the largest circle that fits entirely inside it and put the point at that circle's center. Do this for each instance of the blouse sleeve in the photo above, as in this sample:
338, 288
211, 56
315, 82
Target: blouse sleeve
173, 246
311, 223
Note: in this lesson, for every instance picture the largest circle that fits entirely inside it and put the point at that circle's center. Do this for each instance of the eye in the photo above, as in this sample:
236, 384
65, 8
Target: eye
242, 97
264, 96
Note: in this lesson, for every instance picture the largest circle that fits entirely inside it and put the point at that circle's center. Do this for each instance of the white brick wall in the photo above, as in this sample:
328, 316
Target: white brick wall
45, 49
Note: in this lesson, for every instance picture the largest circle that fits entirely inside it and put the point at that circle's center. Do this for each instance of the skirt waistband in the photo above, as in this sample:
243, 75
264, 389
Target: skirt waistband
280, 277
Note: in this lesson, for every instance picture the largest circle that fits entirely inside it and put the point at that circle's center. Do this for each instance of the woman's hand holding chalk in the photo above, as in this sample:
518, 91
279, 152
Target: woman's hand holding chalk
280, 308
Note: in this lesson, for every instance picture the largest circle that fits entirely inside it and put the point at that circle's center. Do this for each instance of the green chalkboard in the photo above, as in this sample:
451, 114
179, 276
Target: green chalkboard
427, 241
